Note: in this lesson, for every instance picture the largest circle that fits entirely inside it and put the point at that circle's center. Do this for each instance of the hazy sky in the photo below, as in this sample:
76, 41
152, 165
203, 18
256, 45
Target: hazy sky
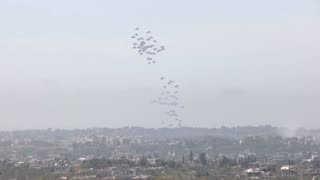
67, 63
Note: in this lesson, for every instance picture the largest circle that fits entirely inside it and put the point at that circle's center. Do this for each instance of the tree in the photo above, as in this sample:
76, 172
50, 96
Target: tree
143, 161
191, 156
182, 159
172, 164
203, 158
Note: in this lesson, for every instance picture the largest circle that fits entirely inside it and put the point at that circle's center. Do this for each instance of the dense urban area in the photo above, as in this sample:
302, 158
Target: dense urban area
262, 152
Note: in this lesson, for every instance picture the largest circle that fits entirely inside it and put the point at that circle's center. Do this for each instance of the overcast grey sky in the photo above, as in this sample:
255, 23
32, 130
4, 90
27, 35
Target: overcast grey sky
67, 64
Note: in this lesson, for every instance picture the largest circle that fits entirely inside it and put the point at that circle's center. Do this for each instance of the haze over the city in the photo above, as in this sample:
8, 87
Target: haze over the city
68, 64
